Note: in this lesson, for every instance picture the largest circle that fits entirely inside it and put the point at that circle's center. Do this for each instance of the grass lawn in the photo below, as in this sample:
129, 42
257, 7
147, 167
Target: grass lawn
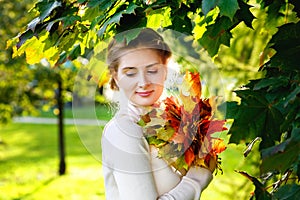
29, 164
101, 111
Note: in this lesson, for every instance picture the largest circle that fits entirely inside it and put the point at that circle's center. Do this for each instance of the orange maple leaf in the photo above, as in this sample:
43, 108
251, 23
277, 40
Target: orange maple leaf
218, 146
189, 156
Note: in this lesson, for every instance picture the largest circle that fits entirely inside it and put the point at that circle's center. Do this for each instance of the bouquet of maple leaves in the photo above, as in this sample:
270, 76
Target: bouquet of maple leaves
181, 128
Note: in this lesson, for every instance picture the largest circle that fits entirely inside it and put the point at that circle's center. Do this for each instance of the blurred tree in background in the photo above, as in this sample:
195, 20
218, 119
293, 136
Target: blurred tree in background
14, 73
25, 88
247, 39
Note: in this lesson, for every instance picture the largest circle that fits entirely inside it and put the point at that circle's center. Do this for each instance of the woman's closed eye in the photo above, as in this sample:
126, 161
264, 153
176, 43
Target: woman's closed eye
152, 71
130, 72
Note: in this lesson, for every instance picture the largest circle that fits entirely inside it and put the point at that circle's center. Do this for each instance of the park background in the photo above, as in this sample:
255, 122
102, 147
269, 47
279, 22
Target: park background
43, 50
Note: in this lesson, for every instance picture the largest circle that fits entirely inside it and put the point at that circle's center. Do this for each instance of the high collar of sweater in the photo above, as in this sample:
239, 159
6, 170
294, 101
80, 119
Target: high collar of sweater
133, 111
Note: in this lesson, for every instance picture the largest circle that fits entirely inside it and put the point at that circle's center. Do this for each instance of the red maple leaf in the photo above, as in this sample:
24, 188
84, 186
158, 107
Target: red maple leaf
209, 127
172, 112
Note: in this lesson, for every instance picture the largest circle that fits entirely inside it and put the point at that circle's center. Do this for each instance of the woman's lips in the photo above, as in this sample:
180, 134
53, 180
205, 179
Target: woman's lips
145, 94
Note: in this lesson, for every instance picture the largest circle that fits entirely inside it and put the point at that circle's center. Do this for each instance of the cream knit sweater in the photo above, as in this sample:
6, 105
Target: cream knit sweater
132, 170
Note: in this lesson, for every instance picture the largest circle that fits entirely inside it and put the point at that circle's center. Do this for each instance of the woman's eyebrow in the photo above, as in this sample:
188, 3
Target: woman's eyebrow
150, 65
146, 66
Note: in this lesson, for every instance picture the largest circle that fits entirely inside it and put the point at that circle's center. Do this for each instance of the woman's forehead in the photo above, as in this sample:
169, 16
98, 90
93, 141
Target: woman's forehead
140, 57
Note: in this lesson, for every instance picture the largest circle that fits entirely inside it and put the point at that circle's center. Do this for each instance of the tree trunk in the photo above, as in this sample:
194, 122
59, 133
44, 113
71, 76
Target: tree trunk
61, 139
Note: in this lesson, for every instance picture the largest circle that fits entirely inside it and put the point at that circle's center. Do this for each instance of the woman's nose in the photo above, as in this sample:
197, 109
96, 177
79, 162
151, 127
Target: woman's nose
143, 81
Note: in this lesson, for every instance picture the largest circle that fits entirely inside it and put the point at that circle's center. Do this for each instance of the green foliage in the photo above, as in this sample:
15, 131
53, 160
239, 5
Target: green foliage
269, 109
67, 24
269, 106
216, 34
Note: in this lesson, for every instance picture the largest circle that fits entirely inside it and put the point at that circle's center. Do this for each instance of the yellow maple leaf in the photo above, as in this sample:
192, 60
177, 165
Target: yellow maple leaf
191, 85
190, 90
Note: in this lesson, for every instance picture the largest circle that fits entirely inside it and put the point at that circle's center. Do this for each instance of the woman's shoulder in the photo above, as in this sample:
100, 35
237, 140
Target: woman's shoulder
124, 135
110, 129
122, 127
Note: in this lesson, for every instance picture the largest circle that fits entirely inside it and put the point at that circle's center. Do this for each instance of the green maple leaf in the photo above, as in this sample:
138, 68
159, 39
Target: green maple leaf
115, 19
128, 35
288, 192
282, 156
255, 118
165, 133
272, 83
228, 7
180, 163
152, 140
132, 21
141, 123
103, 4
75, 52
217, 34
45, 8
287, 44
70, 20
208, 5
31, 25
23, 38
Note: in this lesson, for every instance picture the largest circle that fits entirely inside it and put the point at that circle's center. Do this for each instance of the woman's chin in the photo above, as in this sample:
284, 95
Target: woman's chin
143, 101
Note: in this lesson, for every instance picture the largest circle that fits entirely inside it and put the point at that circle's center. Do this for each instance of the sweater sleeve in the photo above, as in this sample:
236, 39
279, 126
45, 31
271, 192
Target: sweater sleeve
191, 185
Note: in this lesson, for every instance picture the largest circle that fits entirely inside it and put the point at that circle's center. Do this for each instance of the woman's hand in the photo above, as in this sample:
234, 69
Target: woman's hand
202, 176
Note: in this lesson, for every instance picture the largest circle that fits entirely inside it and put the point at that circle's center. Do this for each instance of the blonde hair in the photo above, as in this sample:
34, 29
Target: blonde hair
147, 38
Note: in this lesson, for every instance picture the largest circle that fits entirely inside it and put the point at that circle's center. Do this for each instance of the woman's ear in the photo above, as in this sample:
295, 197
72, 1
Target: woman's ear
113, 81
116, 82
115, 77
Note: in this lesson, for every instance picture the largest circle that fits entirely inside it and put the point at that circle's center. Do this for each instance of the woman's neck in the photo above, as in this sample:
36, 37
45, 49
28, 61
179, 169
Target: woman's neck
131, 110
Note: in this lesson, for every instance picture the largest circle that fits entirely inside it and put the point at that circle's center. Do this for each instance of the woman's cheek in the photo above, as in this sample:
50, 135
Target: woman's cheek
127, 85
159, 80
124, 82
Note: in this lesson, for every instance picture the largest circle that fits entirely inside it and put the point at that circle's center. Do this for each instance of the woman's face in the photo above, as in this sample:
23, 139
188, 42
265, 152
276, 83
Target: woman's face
141, 75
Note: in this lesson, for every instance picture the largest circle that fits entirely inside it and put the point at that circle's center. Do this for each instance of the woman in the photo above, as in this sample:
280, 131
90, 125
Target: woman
132, 170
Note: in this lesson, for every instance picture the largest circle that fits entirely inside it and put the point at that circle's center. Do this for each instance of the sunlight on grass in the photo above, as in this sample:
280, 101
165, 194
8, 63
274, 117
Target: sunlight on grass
79, 183
230, 185
29, 165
